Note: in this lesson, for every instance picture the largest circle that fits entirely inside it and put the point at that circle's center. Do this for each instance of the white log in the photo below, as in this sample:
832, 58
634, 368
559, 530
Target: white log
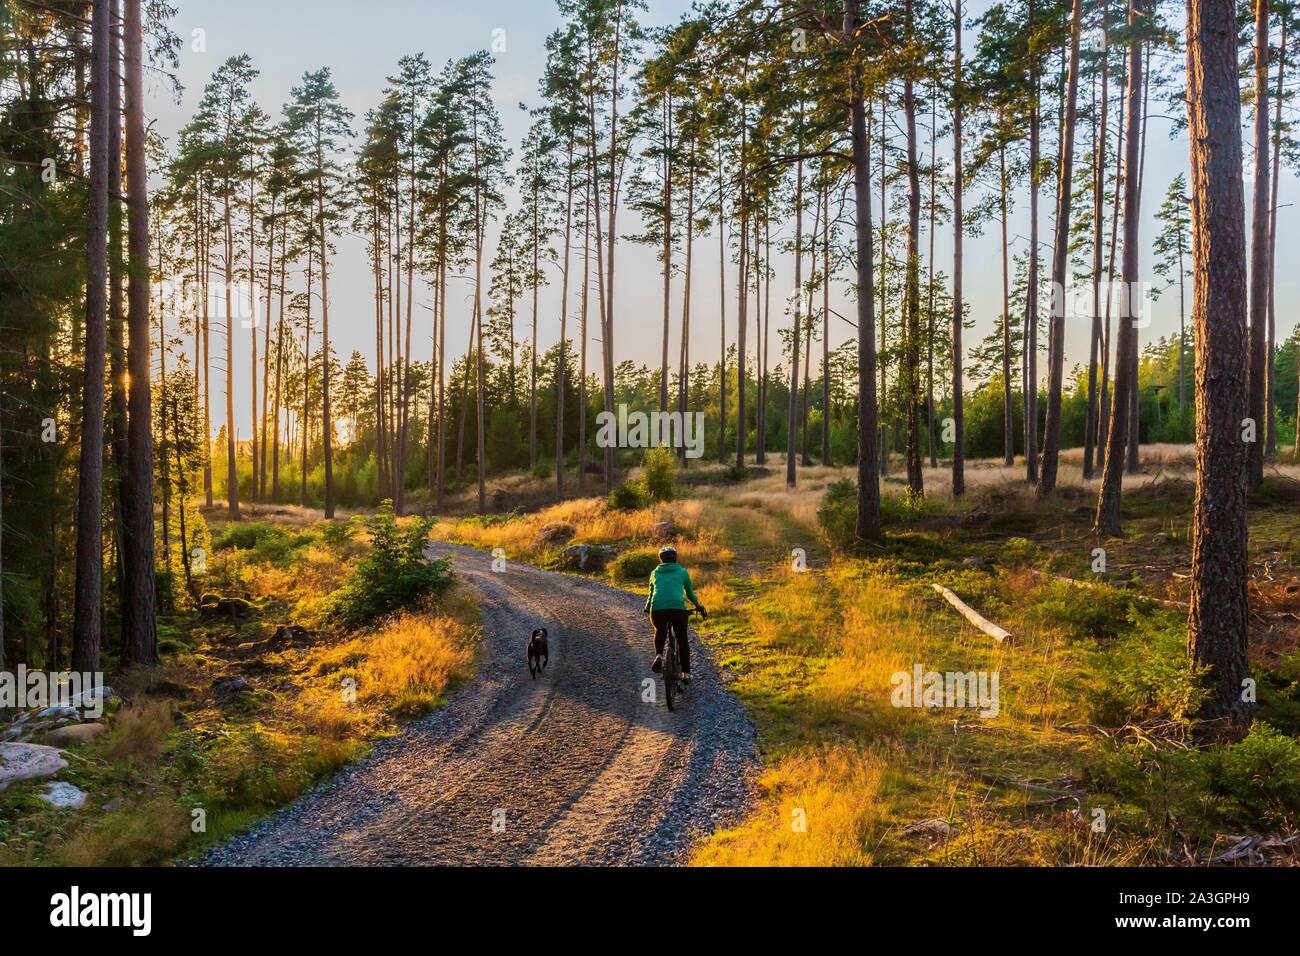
969, 613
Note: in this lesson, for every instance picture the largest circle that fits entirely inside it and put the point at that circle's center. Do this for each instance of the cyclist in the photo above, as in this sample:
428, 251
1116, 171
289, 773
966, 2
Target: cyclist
670, 586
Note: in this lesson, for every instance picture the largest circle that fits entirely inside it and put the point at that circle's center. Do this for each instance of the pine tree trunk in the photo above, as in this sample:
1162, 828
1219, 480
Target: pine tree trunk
1031, 297
958, 312
1060, 251
1271, 443
912, 335
868, 522
564, 318
87, 633
327, 420
1008, 413
1219, 619
793, 408
1259, 277
139, 612
1100, 134
1108, 503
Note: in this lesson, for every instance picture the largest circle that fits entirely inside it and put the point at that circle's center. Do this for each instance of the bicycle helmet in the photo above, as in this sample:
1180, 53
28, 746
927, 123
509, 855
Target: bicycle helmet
667, 553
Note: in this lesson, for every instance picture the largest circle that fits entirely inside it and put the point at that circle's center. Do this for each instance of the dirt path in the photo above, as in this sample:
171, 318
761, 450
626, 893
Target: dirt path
573, 768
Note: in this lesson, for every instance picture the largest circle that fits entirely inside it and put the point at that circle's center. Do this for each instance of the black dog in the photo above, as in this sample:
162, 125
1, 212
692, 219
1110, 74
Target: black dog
537, 652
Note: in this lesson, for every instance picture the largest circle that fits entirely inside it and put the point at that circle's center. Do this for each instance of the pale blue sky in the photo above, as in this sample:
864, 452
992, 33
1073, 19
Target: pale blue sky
362, 41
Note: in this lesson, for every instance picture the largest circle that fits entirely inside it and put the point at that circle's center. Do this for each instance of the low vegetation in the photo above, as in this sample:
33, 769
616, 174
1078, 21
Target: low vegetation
338, 632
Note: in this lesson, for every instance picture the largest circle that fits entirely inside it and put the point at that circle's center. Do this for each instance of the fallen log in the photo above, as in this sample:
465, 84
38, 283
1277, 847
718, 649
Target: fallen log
969, 613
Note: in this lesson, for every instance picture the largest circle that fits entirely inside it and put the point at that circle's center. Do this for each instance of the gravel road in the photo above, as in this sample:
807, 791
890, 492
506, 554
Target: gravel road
572, 768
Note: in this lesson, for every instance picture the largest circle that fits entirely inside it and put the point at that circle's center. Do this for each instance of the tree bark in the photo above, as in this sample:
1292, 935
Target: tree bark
792, 411
564, 318
1219, 618
912, 336
1100, 134
958, 312
1259, 273
1108, 503
868, 522
139, 611
87, 633
1060, 251
1030, 344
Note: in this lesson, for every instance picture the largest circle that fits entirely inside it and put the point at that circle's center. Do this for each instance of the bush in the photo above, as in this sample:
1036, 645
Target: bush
838, 514
1261, 774
336, 534
1147, 673
627, 497
393, 575
659, 474
635, 565
1081, 612
244, 536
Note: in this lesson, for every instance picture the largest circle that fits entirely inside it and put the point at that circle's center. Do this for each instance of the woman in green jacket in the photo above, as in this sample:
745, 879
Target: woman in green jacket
670, 586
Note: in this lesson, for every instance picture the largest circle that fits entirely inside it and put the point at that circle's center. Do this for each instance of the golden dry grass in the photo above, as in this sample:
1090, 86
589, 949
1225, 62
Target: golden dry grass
403, 668
698, 539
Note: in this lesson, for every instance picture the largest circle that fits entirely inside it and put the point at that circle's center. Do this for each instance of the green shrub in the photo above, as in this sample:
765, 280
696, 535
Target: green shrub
1146, 673
1079, 611
635, 565
659, 474
1017, 551
627, 497
837, 515
1261, 774
335, 533
245, 535
393, 575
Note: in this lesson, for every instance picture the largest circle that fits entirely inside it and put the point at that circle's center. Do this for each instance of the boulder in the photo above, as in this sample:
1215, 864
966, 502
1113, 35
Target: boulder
232, 609
585, 557
56, 712
65, 795
95, 698
554, 533
291, 634
228, 689
976, 562
28, 762
661, 532
74, 735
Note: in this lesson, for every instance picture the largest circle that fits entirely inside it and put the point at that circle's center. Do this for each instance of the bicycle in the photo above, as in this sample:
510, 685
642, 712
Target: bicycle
672, 666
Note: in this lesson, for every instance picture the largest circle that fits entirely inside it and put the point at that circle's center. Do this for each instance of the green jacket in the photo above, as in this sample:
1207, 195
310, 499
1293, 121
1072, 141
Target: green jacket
668, 583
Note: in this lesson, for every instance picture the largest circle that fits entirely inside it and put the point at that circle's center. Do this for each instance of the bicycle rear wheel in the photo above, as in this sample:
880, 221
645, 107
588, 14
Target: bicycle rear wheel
671, 670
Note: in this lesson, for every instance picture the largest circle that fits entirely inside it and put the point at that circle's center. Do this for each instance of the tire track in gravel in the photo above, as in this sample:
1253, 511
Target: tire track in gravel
572, 768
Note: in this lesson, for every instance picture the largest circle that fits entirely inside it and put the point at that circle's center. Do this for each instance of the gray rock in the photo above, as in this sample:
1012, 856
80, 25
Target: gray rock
74, 735
661, 532
64, 795
554, 533
976, 562
585, 557
115, 804
291, 634
57, 711
93, 697
28, 762
228, 689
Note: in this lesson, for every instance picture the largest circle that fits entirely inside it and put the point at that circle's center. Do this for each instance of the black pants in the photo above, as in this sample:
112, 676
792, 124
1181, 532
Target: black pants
677, 620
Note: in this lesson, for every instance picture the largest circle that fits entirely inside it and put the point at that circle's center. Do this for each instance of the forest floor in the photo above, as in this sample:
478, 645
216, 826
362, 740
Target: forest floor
1095, 755
1088, 752
255, 701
